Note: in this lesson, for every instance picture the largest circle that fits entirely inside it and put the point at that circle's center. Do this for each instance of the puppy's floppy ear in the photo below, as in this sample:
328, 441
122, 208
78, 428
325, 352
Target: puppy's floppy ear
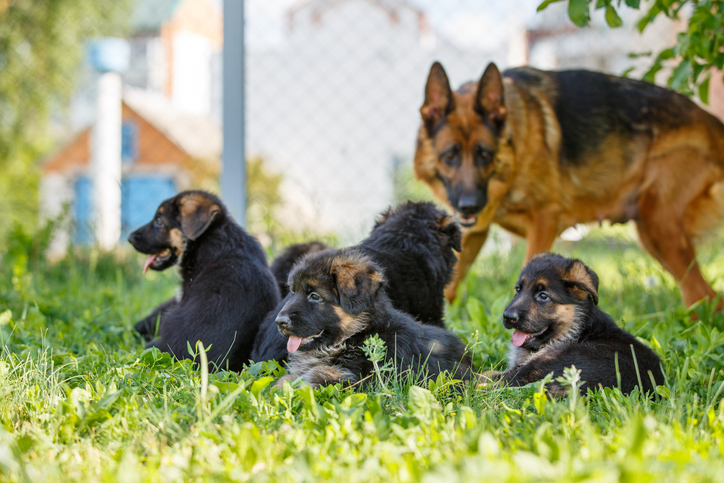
450, 229
582, 280
489, 101
197, 212
439, 101
358, 280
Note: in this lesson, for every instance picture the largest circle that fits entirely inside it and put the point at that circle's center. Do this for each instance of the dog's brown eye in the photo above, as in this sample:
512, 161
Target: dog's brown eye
157, 221
314, 297
449, 157
517, 289
543, 296
483, 156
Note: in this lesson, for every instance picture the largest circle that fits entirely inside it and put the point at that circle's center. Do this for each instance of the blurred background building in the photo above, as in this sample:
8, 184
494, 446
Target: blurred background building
333, 90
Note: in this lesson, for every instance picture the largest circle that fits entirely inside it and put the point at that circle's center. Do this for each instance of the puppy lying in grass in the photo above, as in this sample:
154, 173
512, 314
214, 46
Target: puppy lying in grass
413, 244
226, 285
557, 324
337, 301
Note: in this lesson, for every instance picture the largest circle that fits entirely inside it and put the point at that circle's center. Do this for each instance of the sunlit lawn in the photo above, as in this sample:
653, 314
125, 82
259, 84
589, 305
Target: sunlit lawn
80, 400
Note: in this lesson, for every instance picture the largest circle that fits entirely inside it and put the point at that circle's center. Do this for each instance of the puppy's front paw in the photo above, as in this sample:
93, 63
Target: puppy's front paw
489, 379
280, 383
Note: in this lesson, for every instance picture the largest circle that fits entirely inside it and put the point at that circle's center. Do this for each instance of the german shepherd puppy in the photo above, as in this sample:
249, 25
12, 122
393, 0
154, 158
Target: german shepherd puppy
283, 263
226, 285
537, 152
413, 244
558, 324
337, 301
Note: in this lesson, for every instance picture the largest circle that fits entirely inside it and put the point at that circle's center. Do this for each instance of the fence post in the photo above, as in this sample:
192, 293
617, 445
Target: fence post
109, 57
233, 169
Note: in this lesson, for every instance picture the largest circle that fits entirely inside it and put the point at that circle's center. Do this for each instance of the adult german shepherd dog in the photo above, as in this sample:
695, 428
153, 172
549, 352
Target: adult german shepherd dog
537, 152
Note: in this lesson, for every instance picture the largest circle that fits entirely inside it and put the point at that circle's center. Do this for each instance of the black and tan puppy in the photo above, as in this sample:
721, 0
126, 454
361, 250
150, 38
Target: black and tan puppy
413, 244
283, 263
558, 324
227, 287
337, 301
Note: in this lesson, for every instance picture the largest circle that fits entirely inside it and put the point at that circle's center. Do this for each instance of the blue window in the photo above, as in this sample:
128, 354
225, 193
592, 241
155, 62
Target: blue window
129, 141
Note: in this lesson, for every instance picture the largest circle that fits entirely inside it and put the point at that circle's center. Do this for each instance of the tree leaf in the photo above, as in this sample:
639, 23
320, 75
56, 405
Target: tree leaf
612, 18
665, 54
545, 4
679, 80
633, 3
649, 17
578, 12
704, 91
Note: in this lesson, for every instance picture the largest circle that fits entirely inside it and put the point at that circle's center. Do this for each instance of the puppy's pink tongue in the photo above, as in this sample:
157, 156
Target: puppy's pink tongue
149, 261
293, 343
519, 338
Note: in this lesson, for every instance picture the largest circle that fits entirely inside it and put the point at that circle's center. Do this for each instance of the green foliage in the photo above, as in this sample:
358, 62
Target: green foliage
41, 47
698, 49
406, 187
80, 400
264, 197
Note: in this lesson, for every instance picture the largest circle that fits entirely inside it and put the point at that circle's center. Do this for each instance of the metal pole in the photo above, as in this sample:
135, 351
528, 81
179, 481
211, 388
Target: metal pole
233, 169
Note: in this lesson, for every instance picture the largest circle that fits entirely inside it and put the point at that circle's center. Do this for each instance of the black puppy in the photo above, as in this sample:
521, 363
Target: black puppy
558, 324
227, 287
337, 301
283, 263
413, 243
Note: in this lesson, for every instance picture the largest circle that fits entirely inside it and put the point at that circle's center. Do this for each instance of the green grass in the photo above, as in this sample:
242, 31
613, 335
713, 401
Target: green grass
81, 401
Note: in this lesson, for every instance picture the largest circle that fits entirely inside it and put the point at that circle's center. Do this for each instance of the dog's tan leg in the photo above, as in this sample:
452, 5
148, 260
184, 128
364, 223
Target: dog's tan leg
662, 234
471, 245
541, 233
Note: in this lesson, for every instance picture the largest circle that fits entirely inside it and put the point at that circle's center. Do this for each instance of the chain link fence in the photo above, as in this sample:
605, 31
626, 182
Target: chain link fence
333, 90
334, 87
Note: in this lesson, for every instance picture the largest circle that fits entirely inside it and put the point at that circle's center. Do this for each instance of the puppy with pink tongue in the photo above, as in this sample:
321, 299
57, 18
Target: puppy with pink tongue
557, 324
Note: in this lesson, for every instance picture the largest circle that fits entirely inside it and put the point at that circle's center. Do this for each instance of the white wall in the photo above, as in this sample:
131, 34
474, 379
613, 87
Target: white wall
191, 81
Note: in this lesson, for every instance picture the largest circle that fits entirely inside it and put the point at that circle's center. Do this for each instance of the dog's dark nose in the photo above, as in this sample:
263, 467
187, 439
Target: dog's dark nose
283, 321
469, 205
132, 238
510, 317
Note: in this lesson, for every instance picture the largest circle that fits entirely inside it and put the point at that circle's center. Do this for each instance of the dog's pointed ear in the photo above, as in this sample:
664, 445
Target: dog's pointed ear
451, 230
358, 280
582, 281
490, 98
439, 101
197, 212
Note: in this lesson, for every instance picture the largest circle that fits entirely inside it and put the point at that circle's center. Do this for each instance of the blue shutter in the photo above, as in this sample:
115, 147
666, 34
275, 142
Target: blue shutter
140, 197
83, 211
